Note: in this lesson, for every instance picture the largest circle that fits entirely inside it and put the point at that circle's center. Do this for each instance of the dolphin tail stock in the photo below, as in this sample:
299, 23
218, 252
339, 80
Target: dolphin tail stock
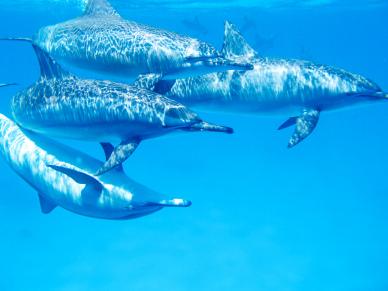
206, 126
304, 125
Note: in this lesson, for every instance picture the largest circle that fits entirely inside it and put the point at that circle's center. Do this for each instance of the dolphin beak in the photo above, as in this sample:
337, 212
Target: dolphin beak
175, 202
239, 66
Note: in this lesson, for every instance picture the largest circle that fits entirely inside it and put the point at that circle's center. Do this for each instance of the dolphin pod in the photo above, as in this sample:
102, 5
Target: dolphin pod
173, 73
61, 105
64, 177
299, 88
101, 40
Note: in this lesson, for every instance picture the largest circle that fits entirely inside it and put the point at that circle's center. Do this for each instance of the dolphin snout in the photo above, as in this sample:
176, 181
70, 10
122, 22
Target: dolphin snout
239, 66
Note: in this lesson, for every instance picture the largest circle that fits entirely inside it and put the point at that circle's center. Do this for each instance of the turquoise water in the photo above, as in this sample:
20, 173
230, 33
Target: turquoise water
263, 217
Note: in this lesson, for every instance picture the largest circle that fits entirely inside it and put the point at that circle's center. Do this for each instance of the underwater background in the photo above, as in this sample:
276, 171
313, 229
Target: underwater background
263, 217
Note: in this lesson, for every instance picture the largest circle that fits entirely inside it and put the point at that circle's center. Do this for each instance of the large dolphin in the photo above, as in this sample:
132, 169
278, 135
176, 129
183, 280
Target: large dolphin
61, 105
101, 40
299, 88
64, 177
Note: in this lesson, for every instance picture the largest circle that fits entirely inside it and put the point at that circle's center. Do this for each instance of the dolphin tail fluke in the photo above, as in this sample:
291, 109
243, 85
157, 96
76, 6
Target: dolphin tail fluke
205, 126
23, 39
304, 125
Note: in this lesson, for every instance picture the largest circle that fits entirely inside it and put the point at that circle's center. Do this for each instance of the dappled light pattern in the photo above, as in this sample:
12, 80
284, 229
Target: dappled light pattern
97, 110
108, 43
117, 197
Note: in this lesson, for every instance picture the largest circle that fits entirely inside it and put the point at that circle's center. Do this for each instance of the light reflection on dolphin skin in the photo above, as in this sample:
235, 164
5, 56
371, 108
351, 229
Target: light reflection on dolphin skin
62, 105
299, 88
102, 41
64, 177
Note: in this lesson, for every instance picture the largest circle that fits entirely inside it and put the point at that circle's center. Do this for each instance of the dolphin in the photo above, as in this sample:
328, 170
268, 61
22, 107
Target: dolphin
62, 105
102, 41
195, 25
298, 88
64, 177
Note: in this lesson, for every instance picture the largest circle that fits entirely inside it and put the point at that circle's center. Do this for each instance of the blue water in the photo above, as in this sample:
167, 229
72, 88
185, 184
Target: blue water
263, 217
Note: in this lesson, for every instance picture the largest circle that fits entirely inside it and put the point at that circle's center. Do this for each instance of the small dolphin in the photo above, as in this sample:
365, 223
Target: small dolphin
195, 25
273, 86
64, 177
61, 105
261, 41
103, 41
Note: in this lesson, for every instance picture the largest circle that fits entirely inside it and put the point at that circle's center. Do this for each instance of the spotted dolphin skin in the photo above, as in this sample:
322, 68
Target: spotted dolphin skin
102, 41
64, 177
298, 88
61, 105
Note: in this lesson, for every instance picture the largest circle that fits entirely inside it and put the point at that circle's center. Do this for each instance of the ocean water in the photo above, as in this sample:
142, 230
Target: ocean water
263, 217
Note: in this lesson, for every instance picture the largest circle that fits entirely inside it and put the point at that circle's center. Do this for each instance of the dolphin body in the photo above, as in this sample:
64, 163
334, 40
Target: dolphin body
102, 41
61, 105
64, 177
298, 88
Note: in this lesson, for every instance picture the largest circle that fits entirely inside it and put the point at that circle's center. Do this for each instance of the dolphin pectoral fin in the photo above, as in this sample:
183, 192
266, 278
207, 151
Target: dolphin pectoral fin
304, 126
78, 176
108, 150
46, 206
99, 7
118, 156
148, 81
289, 122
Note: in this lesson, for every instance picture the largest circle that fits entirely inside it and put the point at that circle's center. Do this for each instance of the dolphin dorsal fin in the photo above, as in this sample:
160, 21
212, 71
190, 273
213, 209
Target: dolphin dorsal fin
49, 68
100, 8
235, 46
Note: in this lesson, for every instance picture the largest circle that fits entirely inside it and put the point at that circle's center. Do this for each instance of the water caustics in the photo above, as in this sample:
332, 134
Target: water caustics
61, 105
64, 177
273, 86
101, 40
